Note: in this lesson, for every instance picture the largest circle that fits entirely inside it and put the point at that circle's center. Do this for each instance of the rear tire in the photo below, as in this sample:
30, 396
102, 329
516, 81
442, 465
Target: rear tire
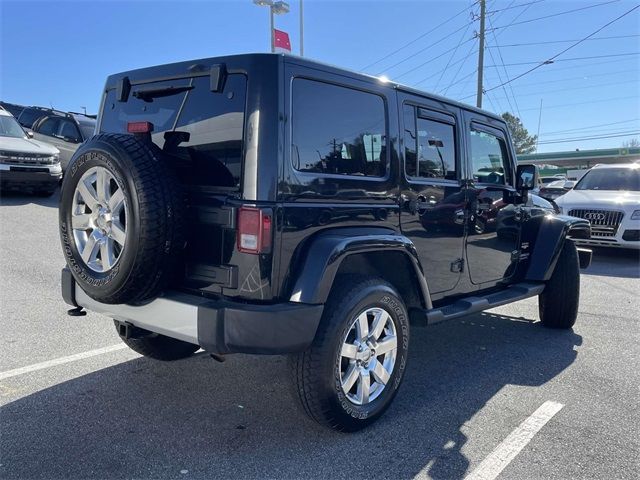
339, 353
558, 303
161, 347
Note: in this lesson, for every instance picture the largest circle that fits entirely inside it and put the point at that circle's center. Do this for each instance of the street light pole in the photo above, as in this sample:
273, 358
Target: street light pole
301, 30
271, 32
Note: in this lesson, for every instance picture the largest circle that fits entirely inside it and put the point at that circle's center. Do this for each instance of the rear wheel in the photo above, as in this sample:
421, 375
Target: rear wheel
558, 303
351, 373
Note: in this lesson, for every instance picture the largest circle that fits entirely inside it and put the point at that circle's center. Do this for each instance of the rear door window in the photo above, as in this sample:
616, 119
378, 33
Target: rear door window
489, 158
205, 129
49, 127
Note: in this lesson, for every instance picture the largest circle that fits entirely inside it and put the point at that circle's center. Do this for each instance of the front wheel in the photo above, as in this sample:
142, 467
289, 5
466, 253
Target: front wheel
352, 371
558, 303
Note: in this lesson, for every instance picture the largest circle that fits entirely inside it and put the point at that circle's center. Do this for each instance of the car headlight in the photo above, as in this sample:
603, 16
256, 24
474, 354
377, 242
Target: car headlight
635, 215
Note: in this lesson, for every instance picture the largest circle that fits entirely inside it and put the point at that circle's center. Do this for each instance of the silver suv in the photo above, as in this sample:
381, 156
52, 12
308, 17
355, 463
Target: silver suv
65, 131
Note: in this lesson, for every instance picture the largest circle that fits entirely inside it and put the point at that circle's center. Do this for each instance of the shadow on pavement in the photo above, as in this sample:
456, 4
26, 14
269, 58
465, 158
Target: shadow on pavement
13, 199
238, 419
613, 262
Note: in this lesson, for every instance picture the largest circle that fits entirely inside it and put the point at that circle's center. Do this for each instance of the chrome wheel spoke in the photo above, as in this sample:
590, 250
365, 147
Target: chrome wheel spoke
88, 194
350, 378
380, 373
90, 250
102, 186
364, 387
107, 254
379, 321
362, 326
118, 233
388, 344
116, 202
81, 221
349, 350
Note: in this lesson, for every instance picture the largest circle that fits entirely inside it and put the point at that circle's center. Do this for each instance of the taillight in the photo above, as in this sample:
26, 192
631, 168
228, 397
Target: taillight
254, 230
139, 127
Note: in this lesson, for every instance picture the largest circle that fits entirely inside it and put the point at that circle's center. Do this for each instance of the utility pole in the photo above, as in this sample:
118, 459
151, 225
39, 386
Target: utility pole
481, 54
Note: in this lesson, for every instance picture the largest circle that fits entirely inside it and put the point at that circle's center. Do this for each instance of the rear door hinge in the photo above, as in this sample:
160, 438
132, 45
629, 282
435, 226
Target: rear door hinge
457, 266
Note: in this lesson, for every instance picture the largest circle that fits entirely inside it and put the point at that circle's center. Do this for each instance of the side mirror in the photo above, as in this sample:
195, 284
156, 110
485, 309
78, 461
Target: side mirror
526, 177
29, 134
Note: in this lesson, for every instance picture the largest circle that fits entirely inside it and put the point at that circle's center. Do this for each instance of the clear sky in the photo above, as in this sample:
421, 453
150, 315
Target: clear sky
60, 52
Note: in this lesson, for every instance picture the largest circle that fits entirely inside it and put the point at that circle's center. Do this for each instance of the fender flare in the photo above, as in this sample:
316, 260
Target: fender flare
314, 278
552, 230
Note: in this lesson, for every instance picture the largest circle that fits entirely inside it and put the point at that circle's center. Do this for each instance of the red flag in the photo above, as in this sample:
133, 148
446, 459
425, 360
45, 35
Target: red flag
281, 41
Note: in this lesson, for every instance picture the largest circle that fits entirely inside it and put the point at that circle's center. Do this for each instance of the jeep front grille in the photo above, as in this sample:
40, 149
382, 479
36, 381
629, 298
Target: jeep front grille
604, 223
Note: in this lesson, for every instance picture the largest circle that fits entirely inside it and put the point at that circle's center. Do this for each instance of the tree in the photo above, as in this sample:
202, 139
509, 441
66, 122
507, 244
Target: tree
522, 141
633, 143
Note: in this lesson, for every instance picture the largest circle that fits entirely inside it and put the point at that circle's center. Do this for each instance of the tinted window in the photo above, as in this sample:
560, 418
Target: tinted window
429, 147
337, 130
69, 130
29, 116
212, 124
49, 127
87, 129
489, 159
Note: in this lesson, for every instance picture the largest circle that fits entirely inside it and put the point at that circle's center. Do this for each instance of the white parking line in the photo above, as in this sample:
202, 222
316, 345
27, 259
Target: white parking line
502, 455
60, 361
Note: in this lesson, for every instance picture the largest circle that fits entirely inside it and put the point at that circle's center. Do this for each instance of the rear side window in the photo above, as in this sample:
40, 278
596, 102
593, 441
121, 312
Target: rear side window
70, 131
202, 128
337, 130
489, 158
429, 147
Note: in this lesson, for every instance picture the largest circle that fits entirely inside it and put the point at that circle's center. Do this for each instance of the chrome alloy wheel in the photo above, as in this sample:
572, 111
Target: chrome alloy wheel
368, 356
99, 219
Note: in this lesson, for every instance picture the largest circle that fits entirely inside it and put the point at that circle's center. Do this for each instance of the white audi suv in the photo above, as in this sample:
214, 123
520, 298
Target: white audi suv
609, 197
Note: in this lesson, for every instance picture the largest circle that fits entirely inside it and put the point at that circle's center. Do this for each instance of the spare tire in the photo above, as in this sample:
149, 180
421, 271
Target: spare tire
120, 214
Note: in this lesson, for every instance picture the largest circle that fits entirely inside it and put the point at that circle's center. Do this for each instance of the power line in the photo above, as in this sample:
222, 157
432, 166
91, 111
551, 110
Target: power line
548, 62
591, 126
427, 48
453, 63
452, 55
453, 80
584, 139
592, 131
526, 7
417, 38
557, 14
602, 100
550, 42
515, 101
584, 87
509, 7
570, 46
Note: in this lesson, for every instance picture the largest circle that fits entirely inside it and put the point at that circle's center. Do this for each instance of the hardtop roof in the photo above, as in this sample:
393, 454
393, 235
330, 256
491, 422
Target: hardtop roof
292, 59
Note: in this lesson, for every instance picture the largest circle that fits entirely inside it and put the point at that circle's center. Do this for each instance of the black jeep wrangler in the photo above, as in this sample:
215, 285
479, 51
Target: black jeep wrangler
269, 204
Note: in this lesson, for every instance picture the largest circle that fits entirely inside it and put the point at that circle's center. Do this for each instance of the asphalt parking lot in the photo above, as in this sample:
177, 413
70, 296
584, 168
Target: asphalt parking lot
470, 385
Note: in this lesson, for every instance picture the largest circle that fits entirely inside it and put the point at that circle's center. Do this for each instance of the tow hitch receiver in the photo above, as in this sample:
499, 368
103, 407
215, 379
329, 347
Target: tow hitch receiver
127, 330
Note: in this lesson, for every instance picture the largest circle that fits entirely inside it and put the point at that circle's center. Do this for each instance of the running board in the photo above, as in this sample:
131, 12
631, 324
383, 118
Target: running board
466, 306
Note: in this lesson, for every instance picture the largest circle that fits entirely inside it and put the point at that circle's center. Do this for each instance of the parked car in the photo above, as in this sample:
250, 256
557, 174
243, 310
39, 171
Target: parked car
551, 191
26, 164
265, 204
609, 197
12, 108
30, 115
65, 131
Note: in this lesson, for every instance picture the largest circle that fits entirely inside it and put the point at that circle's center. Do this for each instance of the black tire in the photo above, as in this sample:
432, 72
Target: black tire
161, 347
316, 374
154, 211
558, 303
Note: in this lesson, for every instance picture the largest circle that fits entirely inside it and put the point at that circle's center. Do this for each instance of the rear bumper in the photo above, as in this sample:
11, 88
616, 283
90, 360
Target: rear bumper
218, 326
